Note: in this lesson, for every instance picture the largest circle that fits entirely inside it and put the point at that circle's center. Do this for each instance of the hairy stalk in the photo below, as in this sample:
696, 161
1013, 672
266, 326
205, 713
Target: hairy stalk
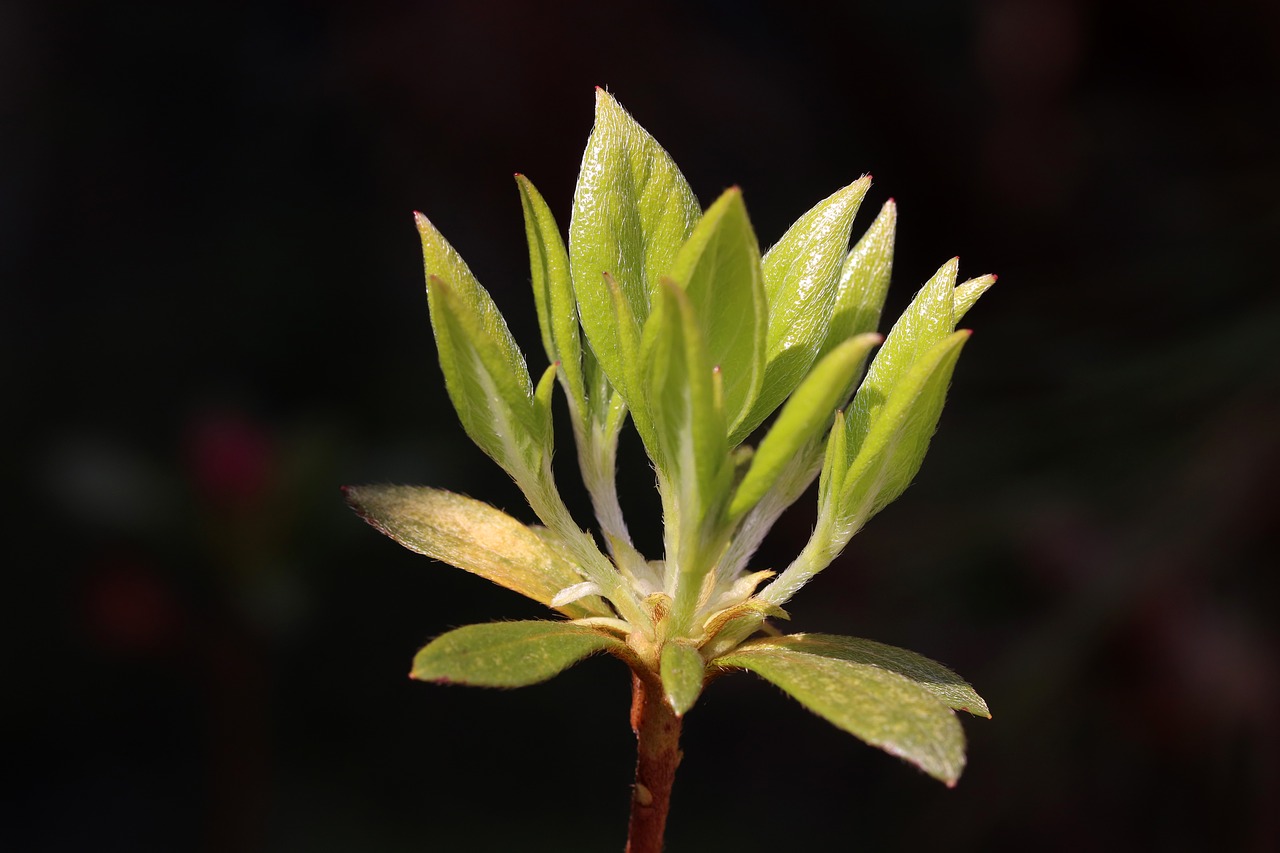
658, 754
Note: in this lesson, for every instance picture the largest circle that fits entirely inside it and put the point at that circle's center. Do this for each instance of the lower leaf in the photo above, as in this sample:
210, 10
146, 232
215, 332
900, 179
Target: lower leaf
886, 709
508, 654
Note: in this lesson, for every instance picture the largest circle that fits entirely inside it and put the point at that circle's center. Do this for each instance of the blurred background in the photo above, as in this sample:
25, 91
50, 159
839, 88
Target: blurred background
214, 316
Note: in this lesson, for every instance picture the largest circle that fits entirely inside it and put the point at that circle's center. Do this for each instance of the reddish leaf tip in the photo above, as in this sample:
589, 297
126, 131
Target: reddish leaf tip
994, 278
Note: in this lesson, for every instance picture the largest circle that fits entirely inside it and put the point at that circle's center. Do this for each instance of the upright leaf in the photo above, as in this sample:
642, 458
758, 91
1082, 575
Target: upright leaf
806, 413
485, 372
928, 319
801, 279
864, 281
474, 537
632, 210
968, 293
553, 290
680, 395
719, 267
889, 456
882, 707
508, 654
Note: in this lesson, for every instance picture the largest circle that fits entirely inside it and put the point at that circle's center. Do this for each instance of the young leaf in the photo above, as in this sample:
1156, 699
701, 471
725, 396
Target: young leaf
682, 670
835, 461
928, 319
553, 290
719, 267
890, 454
968, 293
474, 537
954, 691
632, 210
886, 709
484, 370
808, 411
688, 427
864, 281
884, 463
508, 654
801, 277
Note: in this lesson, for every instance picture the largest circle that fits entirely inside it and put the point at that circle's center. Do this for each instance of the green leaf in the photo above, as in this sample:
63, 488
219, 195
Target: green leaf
864, 281
808, 412
474, 537
508, 654
889, 456
553, 290
682, 670
954, 691
719, 267
801, 279
882, 707
484, 370
928, 319
632, 211
835, 462
680, 395
968, 293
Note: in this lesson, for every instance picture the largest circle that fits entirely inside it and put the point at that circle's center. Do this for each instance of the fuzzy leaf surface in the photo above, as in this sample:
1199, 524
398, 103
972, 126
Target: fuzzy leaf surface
801, 278
882, 707
894, 447
484, 371
632, 211
806, 413
508, 654
864, 281
474, 537
553, 289
683, 671
928, 319
939, 680
688, 426
719, 267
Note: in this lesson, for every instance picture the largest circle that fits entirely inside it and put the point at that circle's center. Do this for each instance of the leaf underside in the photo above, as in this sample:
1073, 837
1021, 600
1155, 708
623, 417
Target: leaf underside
472, 536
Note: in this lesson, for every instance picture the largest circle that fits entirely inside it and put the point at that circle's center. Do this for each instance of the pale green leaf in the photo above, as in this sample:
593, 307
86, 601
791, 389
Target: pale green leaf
472, 536
508, 654
682, 670
485, 372
928, 319
491, 394
880, 706
968, 293
719, 267
680, 397
632, 211
807, 412
864, 281
889, 455
553, 289
835, 461
801, 279
939, 680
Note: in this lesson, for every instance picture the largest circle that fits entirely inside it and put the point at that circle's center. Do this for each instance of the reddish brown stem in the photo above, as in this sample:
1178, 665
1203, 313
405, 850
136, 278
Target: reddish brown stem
658, 754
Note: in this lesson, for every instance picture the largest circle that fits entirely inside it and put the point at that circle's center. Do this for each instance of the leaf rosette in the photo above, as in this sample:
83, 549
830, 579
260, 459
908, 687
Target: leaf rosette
668, 316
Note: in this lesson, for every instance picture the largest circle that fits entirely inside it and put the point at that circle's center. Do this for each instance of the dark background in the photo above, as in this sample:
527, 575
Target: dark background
214, 316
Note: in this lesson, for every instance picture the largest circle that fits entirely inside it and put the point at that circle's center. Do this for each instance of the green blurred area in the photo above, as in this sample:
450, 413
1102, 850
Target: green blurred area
214, 316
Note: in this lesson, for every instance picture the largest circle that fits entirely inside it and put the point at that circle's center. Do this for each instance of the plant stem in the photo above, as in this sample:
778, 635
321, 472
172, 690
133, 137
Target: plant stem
658, 754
